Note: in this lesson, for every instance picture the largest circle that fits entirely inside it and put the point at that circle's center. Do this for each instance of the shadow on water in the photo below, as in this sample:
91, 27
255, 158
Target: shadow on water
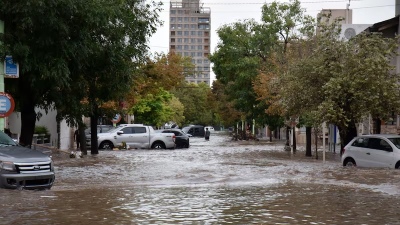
214, 182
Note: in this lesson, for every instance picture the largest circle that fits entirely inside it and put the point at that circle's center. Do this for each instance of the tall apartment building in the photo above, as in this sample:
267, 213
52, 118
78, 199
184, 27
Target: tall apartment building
189, 35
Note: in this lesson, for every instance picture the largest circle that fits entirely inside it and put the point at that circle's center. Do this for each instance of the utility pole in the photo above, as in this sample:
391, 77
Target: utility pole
2, 75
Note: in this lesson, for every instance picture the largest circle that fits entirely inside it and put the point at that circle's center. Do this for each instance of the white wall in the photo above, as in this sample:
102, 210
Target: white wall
48, 120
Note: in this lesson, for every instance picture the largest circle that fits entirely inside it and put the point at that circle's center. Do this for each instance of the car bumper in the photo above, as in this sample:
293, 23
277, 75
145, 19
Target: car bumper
27, 181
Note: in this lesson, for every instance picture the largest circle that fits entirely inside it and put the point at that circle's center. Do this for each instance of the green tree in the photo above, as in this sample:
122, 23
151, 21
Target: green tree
154, 109
346, 80
80, 49
237, 61
194, 97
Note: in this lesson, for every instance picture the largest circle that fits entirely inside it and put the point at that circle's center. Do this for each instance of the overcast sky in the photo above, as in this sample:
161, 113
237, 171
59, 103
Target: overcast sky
230, 11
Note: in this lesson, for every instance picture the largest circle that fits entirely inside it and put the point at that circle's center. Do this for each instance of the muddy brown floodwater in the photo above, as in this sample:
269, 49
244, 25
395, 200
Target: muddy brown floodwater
214, 182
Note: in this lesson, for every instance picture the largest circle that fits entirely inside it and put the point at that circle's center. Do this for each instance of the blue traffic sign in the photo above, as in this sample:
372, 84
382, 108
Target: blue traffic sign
11, 68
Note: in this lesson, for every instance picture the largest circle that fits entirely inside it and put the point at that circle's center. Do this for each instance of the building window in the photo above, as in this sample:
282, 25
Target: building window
186, 40
194, 19
199, 47
193, 54
172, 40
207, 33
172, 46
186, 33
206, 40
173, 11
172, 33
193, 33
186, 26
179, 26
193, 47
199, 40
186, 47
204, 27
173, 19
199, 61
186, 19
206, 47
186, 54
192, 40
179, 33
180, 11
173, 26
179, 40
204, 20
199, 33
179, 47
180, 19
193, 26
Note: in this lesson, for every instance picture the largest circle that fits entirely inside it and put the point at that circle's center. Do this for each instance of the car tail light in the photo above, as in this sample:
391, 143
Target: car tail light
173, 137
342, 151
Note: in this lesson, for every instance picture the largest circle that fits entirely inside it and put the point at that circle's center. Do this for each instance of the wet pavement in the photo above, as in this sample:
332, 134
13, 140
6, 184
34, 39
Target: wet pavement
215, 182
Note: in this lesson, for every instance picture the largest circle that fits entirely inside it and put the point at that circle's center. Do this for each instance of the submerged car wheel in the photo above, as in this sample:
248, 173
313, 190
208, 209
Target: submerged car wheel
158, 145
349, 162
106, 145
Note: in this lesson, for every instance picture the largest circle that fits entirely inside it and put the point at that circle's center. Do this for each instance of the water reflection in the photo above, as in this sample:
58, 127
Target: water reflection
214, 182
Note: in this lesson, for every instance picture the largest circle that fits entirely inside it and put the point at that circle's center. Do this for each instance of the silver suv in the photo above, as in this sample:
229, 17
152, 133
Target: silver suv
22, 167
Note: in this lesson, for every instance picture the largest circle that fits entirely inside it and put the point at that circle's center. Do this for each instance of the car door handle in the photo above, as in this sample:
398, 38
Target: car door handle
368, 153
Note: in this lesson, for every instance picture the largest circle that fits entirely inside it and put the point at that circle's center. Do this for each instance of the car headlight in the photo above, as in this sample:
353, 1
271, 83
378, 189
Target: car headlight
9, 166
51, 166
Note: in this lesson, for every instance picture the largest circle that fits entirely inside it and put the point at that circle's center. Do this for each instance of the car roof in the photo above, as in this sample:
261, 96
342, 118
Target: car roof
172, 129
381, 135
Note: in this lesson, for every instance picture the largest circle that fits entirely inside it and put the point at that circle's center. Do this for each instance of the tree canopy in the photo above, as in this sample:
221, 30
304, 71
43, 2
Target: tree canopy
83, 49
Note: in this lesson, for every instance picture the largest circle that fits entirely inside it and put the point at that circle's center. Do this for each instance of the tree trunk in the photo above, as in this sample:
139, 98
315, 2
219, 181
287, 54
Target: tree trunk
270, 137
58, 131
94, 149
308, 141
346, 135
377, 126
294, 139
316, 144
287, 135
28, 114
82, 138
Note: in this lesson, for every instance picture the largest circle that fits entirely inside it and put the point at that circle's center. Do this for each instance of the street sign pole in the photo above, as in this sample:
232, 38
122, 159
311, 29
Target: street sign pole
2, 75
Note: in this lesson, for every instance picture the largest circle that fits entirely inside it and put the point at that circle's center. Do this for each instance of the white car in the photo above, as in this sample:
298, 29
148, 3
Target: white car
135, 136
377, 150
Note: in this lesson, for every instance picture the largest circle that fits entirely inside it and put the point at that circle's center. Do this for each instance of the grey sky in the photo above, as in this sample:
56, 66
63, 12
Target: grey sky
230, 11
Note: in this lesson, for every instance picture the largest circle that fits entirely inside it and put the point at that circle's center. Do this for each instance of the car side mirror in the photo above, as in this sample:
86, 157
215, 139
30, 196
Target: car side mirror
120, 132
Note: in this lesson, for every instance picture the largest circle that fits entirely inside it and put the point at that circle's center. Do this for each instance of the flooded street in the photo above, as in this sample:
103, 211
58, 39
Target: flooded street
215, 182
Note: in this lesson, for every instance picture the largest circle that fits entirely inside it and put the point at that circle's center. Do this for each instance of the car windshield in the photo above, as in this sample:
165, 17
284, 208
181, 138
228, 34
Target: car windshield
6, 140
395, 141
185, 129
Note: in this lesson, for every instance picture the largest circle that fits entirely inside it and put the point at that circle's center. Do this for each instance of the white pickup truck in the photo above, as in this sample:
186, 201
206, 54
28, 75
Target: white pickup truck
135, 136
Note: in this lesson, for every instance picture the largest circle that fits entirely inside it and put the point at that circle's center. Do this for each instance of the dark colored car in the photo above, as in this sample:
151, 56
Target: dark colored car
181, 140
194, 130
